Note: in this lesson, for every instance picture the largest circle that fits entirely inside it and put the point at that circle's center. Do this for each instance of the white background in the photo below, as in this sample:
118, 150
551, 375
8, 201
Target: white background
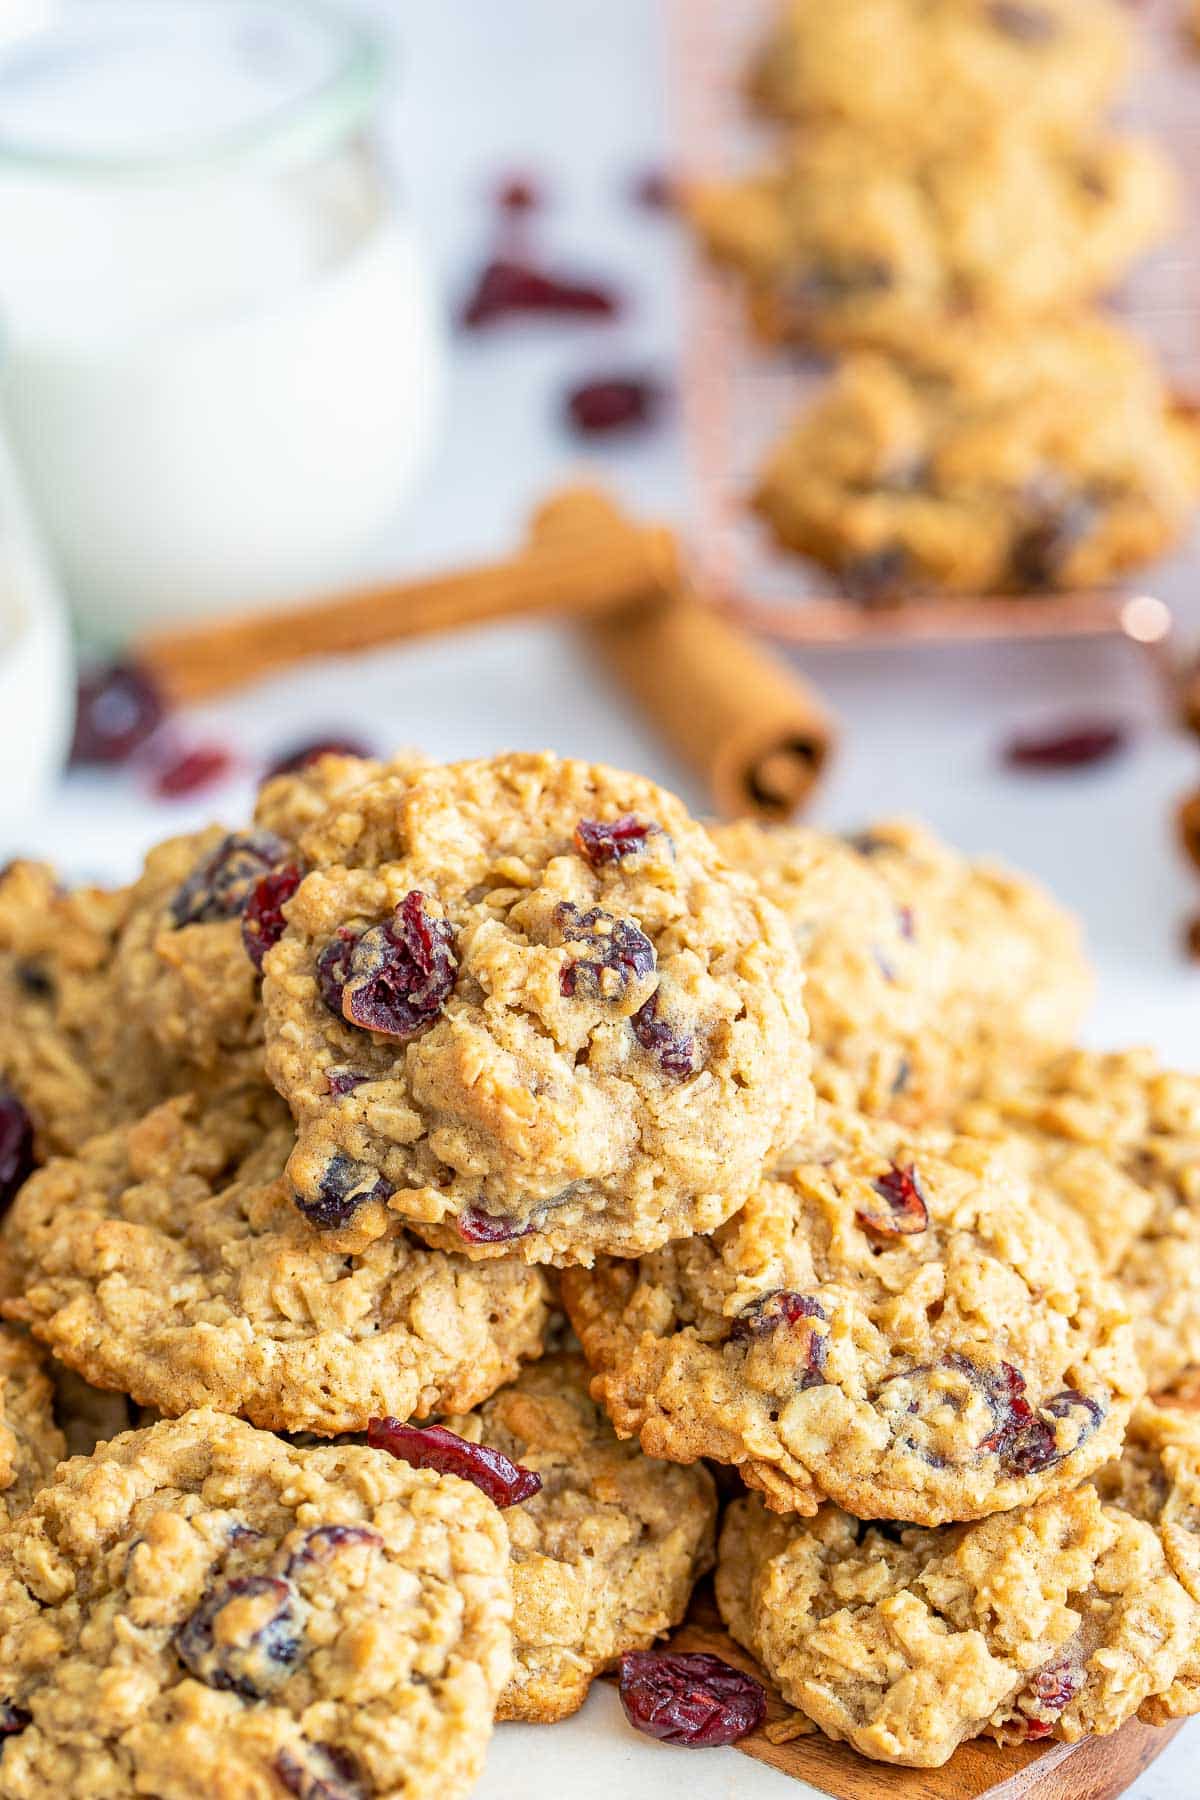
572, 92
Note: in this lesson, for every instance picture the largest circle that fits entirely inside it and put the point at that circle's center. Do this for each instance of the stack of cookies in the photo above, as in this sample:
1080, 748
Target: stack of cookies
945, 202
418, 1193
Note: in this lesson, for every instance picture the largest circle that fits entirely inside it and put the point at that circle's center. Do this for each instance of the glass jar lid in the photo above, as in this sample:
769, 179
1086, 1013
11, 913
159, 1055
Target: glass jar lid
144, 87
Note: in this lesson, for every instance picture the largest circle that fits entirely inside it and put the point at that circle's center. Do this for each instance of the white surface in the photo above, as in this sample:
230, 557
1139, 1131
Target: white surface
573, 90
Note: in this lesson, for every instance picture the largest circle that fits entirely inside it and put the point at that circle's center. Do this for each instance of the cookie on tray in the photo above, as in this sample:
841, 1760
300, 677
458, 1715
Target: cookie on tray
844, 241
934, 70
891, 1325
1061, 1619
201, 1608
1112, 1142
532, 1013
167, 1261
31, 1445
605, 1557
987, 461
923, 968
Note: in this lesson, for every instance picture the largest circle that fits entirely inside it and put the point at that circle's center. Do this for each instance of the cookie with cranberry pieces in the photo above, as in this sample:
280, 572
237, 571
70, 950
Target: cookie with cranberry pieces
534, 1014
889, 1324
167, 1261
605, 1556
202, 1608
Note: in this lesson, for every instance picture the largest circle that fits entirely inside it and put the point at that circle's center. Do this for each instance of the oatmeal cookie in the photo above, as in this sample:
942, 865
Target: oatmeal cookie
846, 241
202, 1609
890, 1325
604, 1558
1061, 1620
987, 461
1112, 1143
935, 70
534, 1012
31, 1445
922, 968
168, 1261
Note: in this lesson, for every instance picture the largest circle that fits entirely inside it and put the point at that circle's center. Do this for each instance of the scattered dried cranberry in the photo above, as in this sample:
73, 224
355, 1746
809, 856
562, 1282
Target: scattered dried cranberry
477, 1227
319, 1772
907, 1213
220, 886
623, 953
192, 771
345, 1186
262, 918
606, 842
117, 707
1047, 1696
300, 755
676, 1051
251, 1665
689, 1698
16, 1146
507, 288
12, 1719
1074, 746
1025, 1441
786, 1311
392, 978
326, 1540
613, 403
519, 194
433, 1447
344, 1081
1018, 19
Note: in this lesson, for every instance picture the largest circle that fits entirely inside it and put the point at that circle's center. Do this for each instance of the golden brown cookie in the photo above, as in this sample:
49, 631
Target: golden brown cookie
31, 1445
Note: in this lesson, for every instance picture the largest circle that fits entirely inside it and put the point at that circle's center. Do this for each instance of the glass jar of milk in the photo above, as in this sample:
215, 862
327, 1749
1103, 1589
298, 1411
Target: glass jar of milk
223, 363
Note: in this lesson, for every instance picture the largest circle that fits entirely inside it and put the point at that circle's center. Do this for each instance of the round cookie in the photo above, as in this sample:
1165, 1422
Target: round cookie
889, 1325
922, 967
605, 1557
1058, 1620
536, 1014
846, 241
987, 460
167, 1261
200, 1608
934, 70
1113, 1143
31, 1445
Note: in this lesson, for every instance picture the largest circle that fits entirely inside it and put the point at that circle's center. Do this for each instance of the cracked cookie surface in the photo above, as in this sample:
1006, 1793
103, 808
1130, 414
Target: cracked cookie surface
167, 1261
201, 1608
536, 1014
604, 1558
889, 1325
987, 461
922, 968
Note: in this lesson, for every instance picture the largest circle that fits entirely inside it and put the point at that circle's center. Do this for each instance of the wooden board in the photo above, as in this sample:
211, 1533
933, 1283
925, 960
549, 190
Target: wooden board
1097, 1769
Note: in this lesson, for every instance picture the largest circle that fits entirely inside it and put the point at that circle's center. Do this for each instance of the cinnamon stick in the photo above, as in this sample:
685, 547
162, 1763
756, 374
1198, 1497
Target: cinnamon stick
743, 718
612, 566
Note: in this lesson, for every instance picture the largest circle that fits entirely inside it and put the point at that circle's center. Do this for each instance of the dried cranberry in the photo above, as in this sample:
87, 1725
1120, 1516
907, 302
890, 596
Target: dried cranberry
326, 1540
675, 1050
345, 1186
1074, 746
16, 1146
1018, 19
12, 1719
392, 978
262, 919
787, 1311
689, 1698
344, 1081
519, 194
251, 1666
507, 287
1025, 1441
1047, 1696
319, 1772
623, 953
300, 755
192, 771
907, 1212
613, 403
117, 707
477, 1227
433, 1447
604, 843
220, 886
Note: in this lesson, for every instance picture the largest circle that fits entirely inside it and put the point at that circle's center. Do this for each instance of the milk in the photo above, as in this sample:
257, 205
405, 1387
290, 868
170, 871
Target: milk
224, 361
